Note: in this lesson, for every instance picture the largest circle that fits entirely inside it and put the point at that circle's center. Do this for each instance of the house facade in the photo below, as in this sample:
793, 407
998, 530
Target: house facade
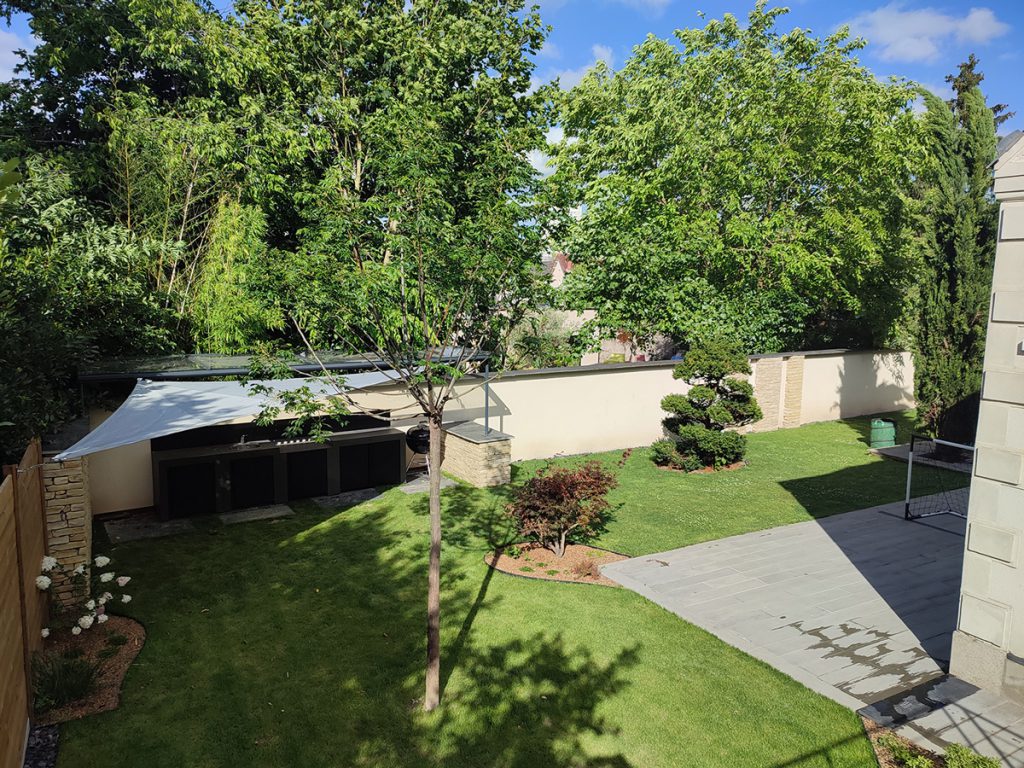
988, 646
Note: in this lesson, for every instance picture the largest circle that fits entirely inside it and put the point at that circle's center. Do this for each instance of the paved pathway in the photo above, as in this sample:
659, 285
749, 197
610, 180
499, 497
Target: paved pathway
860, 607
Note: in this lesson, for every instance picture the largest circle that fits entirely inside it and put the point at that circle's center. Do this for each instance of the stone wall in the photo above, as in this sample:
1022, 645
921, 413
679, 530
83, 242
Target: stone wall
480, 459
68, 511
988, 646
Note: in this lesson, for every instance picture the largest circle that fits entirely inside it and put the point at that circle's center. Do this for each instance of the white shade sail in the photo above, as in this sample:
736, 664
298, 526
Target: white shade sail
158, 408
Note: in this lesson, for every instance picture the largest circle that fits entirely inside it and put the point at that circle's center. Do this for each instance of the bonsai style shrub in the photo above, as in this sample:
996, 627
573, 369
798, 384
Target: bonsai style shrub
557, 503
698, 421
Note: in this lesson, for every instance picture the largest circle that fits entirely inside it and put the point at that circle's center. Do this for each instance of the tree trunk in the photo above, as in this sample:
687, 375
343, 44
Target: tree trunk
433, 691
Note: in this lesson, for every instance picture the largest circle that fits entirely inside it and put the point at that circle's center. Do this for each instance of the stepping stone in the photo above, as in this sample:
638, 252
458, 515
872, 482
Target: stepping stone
139, 527
421, 484
272, 512
347, 499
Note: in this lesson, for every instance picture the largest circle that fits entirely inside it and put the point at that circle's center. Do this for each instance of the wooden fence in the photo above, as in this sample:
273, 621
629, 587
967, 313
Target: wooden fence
23, 608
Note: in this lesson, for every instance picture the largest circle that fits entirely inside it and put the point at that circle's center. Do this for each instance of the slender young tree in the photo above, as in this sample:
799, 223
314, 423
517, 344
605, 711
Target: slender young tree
422, 241
958, 233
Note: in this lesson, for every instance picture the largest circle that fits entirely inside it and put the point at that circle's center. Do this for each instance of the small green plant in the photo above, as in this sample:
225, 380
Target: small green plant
515, 551
698, 423
117, 639
107, 653
904, 755
58, 680
526, 569
959, 756
73, 653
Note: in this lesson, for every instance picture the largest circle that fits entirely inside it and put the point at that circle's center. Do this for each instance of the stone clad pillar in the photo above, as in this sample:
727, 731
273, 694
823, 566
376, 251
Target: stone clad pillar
68, 512
988, 645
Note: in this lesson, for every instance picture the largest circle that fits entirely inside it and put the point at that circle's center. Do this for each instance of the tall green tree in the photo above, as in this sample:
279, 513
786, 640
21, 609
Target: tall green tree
958, 220
740, 180
74, 289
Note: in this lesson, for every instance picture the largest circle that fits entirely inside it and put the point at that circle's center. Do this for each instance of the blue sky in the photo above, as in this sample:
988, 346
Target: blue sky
923, 41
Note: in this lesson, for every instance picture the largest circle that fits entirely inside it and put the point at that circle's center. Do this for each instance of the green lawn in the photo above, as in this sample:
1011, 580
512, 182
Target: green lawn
300, 642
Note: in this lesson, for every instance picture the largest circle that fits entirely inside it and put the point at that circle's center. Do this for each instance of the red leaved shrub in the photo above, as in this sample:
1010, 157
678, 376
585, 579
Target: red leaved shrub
558, 502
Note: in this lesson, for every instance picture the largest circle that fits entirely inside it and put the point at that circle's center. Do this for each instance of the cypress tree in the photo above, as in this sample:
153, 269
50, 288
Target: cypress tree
958, 234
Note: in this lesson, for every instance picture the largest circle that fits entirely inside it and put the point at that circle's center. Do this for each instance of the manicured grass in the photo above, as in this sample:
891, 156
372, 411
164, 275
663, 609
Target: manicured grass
792, 475
299, 642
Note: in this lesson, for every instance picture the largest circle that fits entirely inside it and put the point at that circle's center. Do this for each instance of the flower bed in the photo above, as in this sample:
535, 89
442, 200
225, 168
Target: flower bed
580, 564
112, 648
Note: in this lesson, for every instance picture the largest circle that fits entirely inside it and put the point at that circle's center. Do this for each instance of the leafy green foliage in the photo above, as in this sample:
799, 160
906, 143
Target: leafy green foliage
230, 308
956, 756
73, 289
542, 341
698, 420
58, 679
959, 756
739, 180
957, 221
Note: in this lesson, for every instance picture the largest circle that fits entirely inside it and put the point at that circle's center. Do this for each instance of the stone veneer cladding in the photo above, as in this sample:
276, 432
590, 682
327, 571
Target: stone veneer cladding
68, 512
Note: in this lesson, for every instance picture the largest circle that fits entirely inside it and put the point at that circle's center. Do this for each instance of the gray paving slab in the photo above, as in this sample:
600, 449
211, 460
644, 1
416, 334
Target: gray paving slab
252, 514
859, 607
347, 499
145, 526
421, 484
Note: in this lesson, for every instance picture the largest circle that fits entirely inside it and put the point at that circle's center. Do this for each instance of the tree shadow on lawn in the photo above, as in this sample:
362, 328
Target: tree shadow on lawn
309, 649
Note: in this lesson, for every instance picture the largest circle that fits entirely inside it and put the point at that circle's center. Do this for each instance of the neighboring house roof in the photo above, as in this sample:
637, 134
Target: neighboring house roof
1006, 142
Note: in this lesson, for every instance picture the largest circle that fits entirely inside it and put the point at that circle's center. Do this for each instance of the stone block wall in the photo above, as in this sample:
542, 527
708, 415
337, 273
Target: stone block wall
988, 646
68, 512
482, 461
778, 387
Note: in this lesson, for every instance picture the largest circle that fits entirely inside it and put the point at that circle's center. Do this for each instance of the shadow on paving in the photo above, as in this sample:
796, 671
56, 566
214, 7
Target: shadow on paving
323, 620
913, 566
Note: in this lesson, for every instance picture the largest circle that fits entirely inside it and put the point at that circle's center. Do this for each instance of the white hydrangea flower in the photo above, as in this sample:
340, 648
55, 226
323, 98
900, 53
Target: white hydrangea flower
90, 605
126, 598
85, 621
107, 596
49, 563
102, 618
79, 570
101, 561
102, 600
43, 582
105, 577
44, 632
76, 630
122, 581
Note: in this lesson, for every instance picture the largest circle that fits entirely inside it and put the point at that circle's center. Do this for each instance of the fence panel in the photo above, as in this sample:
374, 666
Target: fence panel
31, 520
13, 683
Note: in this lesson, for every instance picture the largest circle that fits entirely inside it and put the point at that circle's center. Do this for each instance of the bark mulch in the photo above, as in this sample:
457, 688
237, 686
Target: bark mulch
580, 564
885, 760
113, 665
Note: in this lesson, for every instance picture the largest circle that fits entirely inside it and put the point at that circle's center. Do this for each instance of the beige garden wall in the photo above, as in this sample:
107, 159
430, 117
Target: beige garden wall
121, 478
598, 408
566, 411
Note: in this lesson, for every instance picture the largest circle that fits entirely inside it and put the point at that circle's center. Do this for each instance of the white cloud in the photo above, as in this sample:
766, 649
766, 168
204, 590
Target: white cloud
550, 51
921, 34
9, 43
571, 77
538, 159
